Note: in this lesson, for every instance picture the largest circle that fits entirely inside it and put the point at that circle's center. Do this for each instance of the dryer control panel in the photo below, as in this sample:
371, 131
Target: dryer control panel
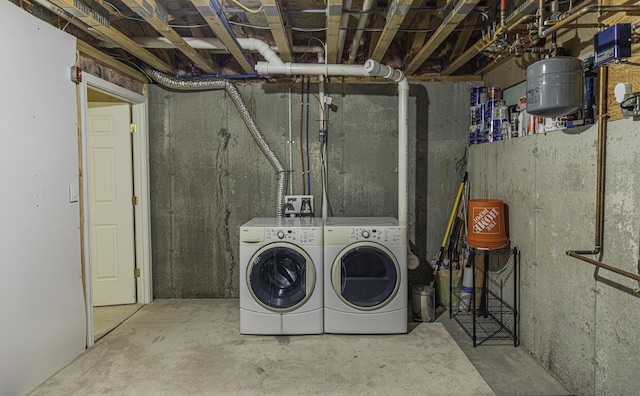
388, 235
298, 235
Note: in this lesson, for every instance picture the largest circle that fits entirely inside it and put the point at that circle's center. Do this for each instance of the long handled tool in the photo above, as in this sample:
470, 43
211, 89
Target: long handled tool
454, 213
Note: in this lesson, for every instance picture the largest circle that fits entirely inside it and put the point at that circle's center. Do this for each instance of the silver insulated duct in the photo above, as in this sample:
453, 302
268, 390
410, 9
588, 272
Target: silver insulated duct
202, 84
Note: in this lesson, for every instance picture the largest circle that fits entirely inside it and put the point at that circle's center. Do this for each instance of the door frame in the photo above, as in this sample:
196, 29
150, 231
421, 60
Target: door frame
142, 218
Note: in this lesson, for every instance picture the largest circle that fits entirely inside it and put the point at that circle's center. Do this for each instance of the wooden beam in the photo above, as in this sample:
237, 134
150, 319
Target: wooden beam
378, 23
110, 62
273, 13
153, 14
465, 35
334, 18
218, 23
396, 14
101, 24
450, 22
418, 38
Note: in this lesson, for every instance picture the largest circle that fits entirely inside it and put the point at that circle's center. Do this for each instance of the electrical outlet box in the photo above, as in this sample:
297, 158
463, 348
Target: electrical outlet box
612, 44
298, 205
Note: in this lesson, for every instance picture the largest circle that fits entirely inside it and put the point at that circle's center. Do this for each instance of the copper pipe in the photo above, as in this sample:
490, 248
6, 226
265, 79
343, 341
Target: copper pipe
519, 22
603, 77
503, 13
605, 266
602, 140
581, 10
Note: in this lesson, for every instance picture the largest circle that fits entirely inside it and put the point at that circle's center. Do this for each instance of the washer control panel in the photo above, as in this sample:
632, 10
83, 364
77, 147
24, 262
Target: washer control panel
298, 235
377, 234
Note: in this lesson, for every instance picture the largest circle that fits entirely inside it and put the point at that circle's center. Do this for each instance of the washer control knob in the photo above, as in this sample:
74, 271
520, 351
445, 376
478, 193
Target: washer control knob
280, 235
365, 234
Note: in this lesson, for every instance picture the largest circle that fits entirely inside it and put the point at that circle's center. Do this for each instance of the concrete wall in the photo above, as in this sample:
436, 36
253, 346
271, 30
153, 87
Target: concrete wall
208, 176
585, 330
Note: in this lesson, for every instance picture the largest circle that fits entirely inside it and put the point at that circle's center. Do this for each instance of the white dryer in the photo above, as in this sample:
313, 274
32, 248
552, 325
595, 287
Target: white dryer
365, 276
281, 276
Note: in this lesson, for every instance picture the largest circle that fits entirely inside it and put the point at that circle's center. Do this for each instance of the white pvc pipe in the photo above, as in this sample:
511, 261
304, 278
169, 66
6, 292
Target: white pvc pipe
362, 23
311, 69
342, 34
263, 48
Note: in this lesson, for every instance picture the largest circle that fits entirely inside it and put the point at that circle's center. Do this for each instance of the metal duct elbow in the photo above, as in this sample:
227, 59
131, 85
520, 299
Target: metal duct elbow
216, 83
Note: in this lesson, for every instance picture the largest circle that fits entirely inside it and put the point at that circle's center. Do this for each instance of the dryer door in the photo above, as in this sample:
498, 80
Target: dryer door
281, 276
366, 275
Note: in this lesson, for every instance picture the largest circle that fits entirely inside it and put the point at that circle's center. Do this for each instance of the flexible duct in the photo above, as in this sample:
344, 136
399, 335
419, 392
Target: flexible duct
230, 88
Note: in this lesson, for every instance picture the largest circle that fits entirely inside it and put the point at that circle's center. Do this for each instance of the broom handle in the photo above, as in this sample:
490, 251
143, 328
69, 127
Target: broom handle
454, 211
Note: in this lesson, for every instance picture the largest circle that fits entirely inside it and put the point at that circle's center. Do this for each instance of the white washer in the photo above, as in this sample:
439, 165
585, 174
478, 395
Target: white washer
365, 276
281, 276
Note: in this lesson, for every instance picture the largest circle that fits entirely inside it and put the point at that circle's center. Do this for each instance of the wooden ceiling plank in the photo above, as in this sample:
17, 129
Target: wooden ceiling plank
217, 23
465, 35
397, 12
106, 60
86, 15
273, 13
450, 22
150, 13
334, 18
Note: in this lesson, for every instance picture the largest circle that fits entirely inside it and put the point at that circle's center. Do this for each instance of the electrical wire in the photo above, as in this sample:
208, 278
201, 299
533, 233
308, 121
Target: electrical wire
247, 9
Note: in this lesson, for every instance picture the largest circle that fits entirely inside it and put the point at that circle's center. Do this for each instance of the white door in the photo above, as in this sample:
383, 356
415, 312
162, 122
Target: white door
110, 204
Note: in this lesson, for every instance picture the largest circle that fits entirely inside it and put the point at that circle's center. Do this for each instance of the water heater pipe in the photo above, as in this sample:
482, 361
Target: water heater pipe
216, 83
371, 68
600, 177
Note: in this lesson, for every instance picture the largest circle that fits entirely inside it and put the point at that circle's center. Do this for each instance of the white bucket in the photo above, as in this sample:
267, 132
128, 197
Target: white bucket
467, 289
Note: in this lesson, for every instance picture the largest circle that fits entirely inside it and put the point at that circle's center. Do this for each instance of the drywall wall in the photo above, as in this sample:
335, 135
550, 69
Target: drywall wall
581, 328
43, 323
208, 176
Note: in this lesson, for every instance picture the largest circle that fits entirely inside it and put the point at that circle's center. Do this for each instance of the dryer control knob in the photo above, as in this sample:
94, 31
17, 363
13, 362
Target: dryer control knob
280, 235
365, 234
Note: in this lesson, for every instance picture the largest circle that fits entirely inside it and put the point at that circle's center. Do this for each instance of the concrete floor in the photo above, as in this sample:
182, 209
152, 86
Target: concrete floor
186, 347
183, 324
107, 318
509, 371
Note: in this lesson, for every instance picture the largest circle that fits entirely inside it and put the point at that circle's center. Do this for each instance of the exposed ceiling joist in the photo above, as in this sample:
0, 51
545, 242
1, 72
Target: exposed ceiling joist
212, 14
98, 19
334, 18
450, 22
395, 16
110, 62
465, 35
273, 14
156, 15
418, 39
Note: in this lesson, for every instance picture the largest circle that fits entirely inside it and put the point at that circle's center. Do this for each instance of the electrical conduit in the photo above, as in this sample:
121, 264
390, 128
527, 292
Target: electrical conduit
230, 88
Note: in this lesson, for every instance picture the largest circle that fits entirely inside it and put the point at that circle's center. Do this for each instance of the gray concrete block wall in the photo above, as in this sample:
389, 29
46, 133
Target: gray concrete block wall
208, 176
582, 329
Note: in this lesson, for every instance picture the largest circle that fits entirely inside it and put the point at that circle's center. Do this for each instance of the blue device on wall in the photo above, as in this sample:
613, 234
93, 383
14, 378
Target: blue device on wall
612, 44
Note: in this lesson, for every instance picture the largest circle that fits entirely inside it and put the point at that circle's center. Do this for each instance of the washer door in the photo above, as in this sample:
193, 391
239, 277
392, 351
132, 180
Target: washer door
281, 276
365, 275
